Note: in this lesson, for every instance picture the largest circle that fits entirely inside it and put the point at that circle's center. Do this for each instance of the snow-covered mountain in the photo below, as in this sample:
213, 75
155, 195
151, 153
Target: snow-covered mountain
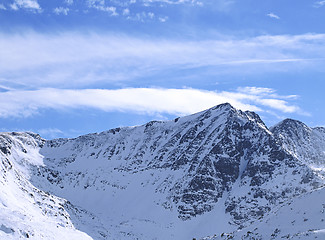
305, 143
25, 211
215, 172
302, 217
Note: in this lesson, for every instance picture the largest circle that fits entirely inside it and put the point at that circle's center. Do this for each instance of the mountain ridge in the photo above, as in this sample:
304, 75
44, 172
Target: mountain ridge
221, 160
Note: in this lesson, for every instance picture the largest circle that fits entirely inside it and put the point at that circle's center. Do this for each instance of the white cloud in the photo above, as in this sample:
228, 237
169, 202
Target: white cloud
74, 59
319, 3
69, 2
279, 105
151, 15
61, 10
126, 12
14, 7
110, 9
256, 90
163, 19
2, 7
142, 6
27, 4
101, 6
116, 7
50, 133
272, 15
261, 91
219, 5
159, 2
139, 100
138, 16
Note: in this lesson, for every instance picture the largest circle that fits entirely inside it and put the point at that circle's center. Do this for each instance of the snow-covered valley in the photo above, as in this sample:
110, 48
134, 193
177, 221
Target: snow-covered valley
220, 173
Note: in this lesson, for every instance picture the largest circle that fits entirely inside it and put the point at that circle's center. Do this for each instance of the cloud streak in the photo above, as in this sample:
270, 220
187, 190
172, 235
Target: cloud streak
26, 4
142, 10
51, 132
150, 101
319, 3
61, 10
75, 59
272, 15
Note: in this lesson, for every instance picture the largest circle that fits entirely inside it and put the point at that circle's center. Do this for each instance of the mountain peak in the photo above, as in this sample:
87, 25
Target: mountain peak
289, 123
249, 114
221, 160
225, 106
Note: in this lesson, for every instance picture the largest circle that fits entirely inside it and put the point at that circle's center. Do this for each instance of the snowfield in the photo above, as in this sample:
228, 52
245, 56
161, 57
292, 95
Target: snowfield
217, 174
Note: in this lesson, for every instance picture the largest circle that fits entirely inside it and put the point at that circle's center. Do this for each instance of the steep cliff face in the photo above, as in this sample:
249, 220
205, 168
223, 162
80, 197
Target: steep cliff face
215, 171
305, 143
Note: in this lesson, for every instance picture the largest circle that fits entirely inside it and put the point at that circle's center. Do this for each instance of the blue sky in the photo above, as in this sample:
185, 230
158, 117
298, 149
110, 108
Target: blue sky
71, 67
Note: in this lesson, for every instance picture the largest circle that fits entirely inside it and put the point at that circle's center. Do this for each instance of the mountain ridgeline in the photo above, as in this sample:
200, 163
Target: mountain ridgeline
220, 170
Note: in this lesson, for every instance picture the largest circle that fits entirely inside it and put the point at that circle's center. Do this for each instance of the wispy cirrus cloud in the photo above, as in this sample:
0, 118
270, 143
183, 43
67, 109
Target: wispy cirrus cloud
262, 92
61, 10
268, 97
102, 6
192, 2
76, 59
51, 133
319, 3
137, 100
272, 15
137, 10
69, 2
26, 4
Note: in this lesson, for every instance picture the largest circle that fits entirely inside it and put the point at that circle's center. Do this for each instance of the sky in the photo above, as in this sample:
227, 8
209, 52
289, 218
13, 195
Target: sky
72, 67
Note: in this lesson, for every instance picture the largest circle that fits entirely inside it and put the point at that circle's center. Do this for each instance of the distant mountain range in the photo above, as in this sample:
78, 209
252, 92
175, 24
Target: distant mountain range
217, 174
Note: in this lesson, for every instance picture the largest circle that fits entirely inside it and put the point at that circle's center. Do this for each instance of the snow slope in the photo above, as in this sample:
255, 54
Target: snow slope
302, 217
305, 143
220, 170
25, 211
